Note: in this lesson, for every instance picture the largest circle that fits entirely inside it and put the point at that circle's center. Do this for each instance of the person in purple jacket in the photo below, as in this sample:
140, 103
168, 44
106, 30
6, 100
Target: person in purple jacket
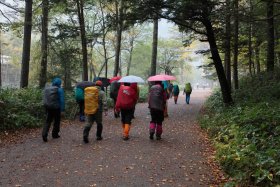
157, 102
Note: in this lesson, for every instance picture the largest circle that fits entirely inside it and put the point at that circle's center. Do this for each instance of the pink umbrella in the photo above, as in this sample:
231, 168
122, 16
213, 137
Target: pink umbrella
115, 78
161, 77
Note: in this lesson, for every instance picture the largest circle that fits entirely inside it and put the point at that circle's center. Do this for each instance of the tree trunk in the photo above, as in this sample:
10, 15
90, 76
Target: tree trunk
26, 44
277, 44
119, 15
154, 50
0, 59
218, 63
44, 44
67, 77
227, 44
270, 37
235, 45
105, 53
130, 56
250, 41
257, 51
80, 6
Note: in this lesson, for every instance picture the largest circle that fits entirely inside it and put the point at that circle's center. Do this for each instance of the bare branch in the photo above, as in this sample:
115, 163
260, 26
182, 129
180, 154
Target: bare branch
5, 16
11, 7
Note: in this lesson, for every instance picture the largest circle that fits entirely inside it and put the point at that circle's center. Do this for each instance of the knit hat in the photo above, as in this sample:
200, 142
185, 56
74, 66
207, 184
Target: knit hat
98, 83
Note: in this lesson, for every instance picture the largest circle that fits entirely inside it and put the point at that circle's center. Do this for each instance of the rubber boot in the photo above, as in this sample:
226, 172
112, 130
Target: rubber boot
152, 130
159, 131
126, 132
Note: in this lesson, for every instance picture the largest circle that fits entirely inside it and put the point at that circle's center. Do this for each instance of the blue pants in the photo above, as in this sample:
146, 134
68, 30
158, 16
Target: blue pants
188, 96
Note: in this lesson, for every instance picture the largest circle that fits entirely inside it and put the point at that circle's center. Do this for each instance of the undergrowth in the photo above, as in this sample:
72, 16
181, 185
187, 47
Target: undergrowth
247, 134
23, 108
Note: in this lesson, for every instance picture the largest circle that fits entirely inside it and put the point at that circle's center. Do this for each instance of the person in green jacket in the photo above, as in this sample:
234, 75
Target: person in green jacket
188, 91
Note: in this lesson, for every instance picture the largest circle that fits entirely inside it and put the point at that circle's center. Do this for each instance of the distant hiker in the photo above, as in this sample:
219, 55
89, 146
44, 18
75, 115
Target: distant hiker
165, 87
157, 101
114, 89
55, 107
127, 98
95, 103
136, 88
188, 91
170, 88
175, 92
79, 96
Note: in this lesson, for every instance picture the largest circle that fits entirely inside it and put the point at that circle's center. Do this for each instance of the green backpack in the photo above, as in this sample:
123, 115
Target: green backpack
188, 88
79, 94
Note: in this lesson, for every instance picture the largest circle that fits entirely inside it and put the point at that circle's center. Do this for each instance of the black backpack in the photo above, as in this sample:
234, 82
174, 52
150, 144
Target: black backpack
114, 89
51, 97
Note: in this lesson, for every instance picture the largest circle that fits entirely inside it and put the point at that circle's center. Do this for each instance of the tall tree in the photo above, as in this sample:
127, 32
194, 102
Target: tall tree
44, 44
154, 47
270, 36
228, 42
119, 27
130, 41
0, 57
80, 7
250, 35
196, 16
235, 44
26, 44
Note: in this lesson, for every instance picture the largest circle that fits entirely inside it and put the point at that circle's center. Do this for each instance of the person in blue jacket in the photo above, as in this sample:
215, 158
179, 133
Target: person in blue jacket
54, 113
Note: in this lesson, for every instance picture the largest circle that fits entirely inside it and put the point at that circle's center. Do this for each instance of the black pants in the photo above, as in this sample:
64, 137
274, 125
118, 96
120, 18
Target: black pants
127, 115
157, 116
52, 115
82, 107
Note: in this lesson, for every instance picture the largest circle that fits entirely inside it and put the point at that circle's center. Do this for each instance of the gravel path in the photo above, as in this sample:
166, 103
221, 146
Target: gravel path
181, 158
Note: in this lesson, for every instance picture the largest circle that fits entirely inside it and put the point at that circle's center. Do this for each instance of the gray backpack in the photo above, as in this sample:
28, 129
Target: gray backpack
156, 98
51, 97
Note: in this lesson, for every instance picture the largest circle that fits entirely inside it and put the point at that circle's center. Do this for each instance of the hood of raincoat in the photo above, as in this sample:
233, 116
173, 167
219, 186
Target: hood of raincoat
56, 82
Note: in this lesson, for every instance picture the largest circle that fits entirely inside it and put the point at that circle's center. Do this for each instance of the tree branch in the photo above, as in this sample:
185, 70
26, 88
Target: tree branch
11, 7
5, 16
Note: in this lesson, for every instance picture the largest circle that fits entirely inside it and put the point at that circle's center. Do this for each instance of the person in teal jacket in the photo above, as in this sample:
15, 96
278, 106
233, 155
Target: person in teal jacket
54, 114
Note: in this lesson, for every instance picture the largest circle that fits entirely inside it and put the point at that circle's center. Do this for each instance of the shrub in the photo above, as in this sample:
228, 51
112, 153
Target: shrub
22, 108
247, 134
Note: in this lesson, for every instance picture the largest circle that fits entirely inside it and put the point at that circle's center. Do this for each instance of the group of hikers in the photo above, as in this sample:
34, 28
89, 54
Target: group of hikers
92, 102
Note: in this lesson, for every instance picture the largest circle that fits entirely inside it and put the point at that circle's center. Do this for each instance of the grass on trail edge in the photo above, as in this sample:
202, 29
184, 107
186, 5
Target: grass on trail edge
247, 134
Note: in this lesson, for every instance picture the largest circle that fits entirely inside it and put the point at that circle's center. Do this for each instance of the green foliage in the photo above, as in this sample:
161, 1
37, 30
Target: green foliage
246, 134
143, 93
22, 108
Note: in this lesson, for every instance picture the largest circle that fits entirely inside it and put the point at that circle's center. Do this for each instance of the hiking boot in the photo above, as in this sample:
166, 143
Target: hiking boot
85, 139
158, 138
125, 138
45, 139
151, 136
55, 136
99, 138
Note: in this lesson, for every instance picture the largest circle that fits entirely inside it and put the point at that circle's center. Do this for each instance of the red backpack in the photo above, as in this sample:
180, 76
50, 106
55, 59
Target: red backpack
126, 98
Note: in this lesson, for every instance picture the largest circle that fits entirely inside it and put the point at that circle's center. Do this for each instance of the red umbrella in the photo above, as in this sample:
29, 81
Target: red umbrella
115, 78
161, 77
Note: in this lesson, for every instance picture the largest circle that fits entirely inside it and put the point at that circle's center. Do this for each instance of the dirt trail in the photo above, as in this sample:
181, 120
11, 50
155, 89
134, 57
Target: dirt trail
181, 158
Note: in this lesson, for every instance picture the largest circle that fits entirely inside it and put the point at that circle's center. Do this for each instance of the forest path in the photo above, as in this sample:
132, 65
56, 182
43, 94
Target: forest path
182, 158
